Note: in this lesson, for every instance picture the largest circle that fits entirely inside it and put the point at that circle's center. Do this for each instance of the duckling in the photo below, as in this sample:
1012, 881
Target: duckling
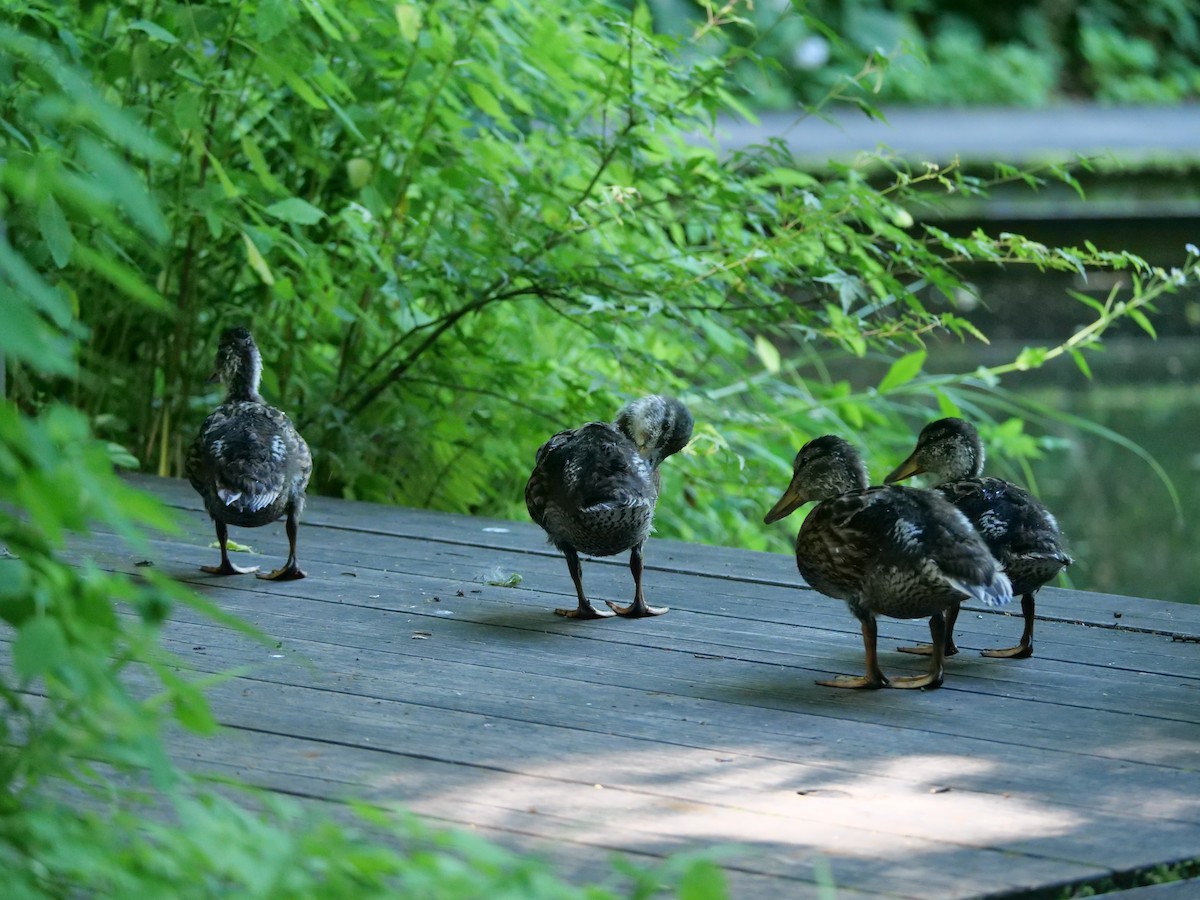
594, 488
248, 462
890, 551
1021, 533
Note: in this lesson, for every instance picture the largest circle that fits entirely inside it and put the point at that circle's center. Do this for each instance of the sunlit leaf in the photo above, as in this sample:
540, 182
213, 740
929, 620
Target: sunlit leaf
902, 371
256, 260
155, 31
293, 209
56, 231
768, 353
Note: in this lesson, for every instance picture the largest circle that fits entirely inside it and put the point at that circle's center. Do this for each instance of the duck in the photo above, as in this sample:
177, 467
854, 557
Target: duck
894, 551
248, 463
1017, 527
594, 489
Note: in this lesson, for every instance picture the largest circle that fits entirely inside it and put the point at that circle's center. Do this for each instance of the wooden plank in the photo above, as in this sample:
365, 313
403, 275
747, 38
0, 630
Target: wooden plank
747, 602
1039, 720
658, 804
482, 687
1143, 696
663, 555
702, 726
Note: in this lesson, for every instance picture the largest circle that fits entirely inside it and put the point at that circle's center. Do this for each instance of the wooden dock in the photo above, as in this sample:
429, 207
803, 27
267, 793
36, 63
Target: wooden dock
407, 671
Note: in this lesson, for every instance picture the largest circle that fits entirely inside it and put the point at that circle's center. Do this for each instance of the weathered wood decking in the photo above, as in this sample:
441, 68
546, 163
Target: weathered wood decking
402, 675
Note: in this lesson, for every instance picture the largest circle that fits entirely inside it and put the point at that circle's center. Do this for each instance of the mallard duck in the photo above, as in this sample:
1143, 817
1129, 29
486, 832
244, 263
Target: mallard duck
248, 463
891, 551
1021, 533
594, 488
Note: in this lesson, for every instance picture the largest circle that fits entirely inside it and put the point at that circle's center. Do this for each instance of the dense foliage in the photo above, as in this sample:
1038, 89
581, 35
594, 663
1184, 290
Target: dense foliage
454, 228
1023, 53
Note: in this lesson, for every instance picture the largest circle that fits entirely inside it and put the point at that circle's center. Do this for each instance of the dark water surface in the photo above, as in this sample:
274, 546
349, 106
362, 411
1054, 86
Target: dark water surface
1125, 532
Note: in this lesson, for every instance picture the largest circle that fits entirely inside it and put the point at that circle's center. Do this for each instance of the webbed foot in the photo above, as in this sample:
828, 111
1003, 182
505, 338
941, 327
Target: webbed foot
911, 682
228, 568
855, 682
289, 572
927, 649
637, 609
1021, 651
584, 612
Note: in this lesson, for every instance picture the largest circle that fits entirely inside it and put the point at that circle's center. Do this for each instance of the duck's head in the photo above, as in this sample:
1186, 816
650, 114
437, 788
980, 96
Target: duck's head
658, 426
825, 467
949, 449
238, 365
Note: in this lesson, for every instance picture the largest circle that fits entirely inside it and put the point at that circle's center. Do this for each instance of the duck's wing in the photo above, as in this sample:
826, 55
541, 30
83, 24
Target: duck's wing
921, 532
249, 455
1014, 523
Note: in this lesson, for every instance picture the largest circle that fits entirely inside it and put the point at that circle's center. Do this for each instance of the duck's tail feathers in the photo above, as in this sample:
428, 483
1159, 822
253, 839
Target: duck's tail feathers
247, 502
995, 593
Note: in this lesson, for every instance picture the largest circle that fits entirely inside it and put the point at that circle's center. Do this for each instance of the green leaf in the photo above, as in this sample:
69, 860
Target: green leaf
1082, 363
703, 880
40, 647
486, 101
56, 231
768, 353
155, 31
272, 17
258, 163
231, 190
295, 210
902, 371
257, 262
408, 19
1140, 317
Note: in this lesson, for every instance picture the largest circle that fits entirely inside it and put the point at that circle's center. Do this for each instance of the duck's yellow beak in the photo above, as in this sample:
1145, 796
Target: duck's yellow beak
793, 498
906, 469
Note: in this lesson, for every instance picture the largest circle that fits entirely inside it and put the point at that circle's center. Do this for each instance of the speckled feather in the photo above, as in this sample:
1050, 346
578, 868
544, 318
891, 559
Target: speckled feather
897, 552
1019, 530
248, 463
594, 488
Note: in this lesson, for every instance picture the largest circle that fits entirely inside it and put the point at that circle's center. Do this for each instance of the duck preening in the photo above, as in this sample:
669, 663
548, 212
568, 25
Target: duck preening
1018, 529
891, 551
594, 488
248, 463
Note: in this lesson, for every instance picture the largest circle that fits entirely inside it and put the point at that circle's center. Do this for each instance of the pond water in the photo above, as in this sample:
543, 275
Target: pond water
1126, 533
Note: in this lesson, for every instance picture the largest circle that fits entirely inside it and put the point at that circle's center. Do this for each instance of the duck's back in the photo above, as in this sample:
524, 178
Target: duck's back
249, 463
896, 551
591, 490
1022, 534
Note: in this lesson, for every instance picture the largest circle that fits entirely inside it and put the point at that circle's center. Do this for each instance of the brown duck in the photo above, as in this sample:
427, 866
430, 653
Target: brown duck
248, 463
1021, 533
594, 488
891, 551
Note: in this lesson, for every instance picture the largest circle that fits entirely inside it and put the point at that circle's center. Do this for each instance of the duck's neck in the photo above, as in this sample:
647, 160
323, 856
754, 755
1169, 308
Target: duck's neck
965, 462
244, 380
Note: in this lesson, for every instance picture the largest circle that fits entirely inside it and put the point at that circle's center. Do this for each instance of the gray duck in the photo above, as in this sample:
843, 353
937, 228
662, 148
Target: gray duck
248, 462
1021, 533
891, 551
594, 488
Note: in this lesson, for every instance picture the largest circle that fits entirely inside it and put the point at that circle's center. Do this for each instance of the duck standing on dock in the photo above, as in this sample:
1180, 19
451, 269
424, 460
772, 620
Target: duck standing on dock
891, 551
1021, 533
594, 488
248, 463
